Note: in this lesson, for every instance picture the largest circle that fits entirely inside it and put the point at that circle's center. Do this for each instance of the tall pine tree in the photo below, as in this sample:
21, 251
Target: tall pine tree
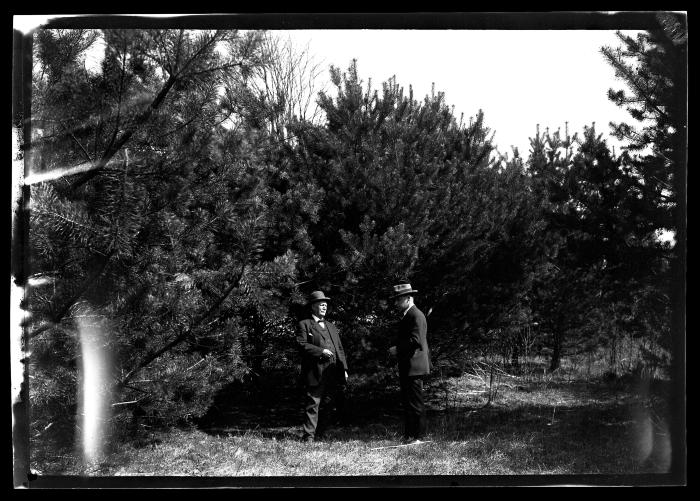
654, 65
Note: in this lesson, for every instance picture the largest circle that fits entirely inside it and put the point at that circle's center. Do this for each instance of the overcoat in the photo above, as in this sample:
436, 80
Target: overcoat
313, 363
412, 344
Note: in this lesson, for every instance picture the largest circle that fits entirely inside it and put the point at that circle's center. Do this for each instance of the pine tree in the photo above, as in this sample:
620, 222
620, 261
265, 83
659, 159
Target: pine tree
410, 192
605, 257
167, 223
654, 65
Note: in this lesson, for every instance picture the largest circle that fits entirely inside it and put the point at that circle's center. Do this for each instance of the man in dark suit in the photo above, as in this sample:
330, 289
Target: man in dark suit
411, 351
324, 369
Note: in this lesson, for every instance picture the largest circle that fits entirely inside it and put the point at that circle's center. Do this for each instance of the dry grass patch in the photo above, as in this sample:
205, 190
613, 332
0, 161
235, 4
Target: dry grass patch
560, 427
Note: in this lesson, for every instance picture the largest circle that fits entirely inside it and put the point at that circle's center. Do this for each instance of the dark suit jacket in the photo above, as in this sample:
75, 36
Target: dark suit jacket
412, 344
313, 363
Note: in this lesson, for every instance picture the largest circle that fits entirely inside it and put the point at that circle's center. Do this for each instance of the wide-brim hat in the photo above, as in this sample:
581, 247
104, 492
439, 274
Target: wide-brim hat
317, 296
403, 290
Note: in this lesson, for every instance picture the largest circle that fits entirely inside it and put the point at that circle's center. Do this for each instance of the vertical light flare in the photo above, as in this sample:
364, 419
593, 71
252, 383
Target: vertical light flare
94, 393
645, 438
653, 437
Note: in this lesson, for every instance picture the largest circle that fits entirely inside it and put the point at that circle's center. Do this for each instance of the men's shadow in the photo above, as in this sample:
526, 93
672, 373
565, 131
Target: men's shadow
271, 406
267, 402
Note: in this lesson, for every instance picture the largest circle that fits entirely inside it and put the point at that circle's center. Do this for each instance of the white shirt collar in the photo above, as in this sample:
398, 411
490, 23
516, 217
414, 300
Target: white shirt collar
406, 310
318, 319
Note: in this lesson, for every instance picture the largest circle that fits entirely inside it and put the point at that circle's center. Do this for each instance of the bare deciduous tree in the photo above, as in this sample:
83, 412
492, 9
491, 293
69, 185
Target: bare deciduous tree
286, 84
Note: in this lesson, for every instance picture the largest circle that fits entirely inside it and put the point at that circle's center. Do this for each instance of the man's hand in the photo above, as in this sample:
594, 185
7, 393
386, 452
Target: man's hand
392, 351
327, 352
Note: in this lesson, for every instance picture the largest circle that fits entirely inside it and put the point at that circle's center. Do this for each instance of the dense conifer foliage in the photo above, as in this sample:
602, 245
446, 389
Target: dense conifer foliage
185, 200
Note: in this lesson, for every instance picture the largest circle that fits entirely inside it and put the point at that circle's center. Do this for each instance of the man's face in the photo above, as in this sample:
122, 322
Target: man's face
401, 303
319, 308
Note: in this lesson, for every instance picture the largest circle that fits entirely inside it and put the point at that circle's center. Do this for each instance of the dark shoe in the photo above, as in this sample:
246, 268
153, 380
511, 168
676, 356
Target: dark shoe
308, 440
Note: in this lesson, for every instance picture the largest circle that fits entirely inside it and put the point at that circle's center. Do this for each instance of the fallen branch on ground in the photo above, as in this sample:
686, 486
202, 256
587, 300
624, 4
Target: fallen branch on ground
400, 445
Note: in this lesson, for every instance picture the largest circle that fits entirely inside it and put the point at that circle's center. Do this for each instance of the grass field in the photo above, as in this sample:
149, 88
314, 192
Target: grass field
531, 426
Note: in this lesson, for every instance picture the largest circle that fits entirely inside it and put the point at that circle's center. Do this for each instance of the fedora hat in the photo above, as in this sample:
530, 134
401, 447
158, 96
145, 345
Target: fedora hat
316, 296
402, 290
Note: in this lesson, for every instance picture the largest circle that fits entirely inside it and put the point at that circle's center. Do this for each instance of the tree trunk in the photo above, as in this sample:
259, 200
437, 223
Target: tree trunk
612, 361
556, 353
515, 356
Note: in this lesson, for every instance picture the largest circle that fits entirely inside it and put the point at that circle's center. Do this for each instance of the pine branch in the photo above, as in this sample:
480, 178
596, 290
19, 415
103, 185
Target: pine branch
67, 219
114, 148
119, 100
82, 148
185, 334
181, 75
86, 286
628, 73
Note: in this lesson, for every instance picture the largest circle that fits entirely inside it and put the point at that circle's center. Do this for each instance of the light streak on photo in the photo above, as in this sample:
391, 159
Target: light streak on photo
93, 389
57, 173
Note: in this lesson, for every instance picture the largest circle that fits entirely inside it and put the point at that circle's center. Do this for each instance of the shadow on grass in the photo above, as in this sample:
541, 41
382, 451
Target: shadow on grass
609, 437
592, 426
273, 408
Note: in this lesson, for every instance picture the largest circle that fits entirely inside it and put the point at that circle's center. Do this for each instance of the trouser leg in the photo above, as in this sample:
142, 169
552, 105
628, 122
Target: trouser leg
419, 408
325, 409
333, 400
339, 404
320, 403
414, 406
405, 407
311, 410
324, 403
